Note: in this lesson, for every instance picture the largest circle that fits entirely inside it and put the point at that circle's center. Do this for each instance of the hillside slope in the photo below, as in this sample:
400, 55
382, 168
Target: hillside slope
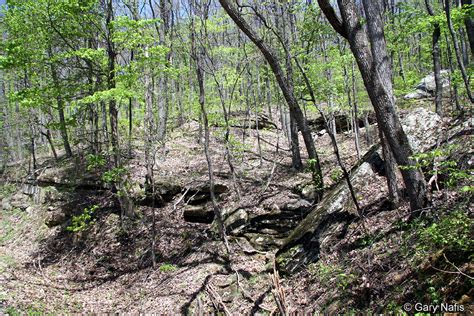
64, 248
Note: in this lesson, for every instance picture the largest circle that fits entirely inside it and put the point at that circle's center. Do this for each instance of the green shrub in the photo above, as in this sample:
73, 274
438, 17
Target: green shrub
95, 161
7, 189
336, 174
437, 162
453, 232
326, 274
114, 175
84, 220
167, 267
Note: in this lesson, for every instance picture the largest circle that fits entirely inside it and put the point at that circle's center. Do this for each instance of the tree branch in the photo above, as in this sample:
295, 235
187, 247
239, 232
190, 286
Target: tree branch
332, 17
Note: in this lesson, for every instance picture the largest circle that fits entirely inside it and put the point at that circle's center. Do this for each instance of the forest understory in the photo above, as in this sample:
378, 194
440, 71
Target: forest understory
236, 157
374, 261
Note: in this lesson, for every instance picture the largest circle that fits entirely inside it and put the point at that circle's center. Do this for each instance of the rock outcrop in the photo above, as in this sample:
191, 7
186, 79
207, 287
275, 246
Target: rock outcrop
343, 123
303, 244
422, 128
427, 86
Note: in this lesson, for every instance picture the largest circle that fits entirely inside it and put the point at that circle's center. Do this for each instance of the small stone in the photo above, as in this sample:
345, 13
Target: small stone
309, 192
297, 205
30, 210
6, 205
236, 221
55, 218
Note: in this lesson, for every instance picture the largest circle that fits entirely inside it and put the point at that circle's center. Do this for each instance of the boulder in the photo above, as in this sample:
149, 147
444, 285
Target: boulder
427, 86
48, 195
418, 94
236, 221
198, 214
303, 244
167, 189
54, 217
422, 128
30, 209
297, 205
428, 83
243, 119
70, 175
20, 201
6, 205
264, 242
201, 193
343, 123
308, 192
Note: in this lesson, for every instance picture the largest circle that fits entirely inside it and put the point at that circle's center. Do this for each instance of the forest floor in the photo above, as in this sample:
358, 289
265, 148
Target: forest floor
375, 265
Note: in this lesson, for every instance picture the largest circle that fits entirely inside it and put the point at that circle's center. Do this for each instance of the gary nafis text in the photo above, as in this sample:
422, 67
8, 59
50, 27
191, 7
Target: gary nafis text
433, 308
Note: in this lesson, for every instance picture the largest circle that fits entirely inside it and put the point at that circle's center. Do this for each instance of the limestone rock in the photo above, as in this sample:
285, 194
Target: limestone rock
297, 205
6, 205
427, 86
309, 192
417, 94
48, 194
236, 221
20, 201
264, 242
54, 217
198, 214
428, 83
303, 244
422, 128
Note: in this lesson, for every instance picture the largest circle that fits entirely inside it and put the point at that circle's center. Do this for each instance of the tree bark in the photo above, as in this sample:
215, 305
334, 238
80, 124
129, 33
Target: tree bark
369, 49
113, 112
60, 107
462, 68
390, 172
469, 23
196, 55
436, 53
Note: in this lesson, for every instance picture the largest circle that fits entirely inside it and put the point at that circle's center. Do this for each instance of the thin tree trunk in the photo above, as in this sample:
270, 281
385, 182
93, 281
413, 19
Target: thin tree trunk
462, 68
356, 112
60, 107
436, 52
200, 78
469, 23
113, 112
280, 77
33, 151
47, 134
454, 84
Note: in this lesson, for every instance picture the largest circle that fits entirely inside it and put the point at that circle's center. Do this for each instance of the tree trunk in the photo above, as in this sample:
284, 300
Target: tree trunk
148, 128
454, 84
370, 52
200, 78
462, 68
163, 84
60, 107
436, 52
356, 112
47, 134
469, 22
390, 173
113, 112
279, 75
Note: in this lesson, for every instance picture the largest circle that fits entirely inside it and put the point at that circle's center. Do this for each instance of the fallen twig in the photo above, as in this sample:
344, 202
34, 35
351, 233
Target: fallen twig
217, 300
